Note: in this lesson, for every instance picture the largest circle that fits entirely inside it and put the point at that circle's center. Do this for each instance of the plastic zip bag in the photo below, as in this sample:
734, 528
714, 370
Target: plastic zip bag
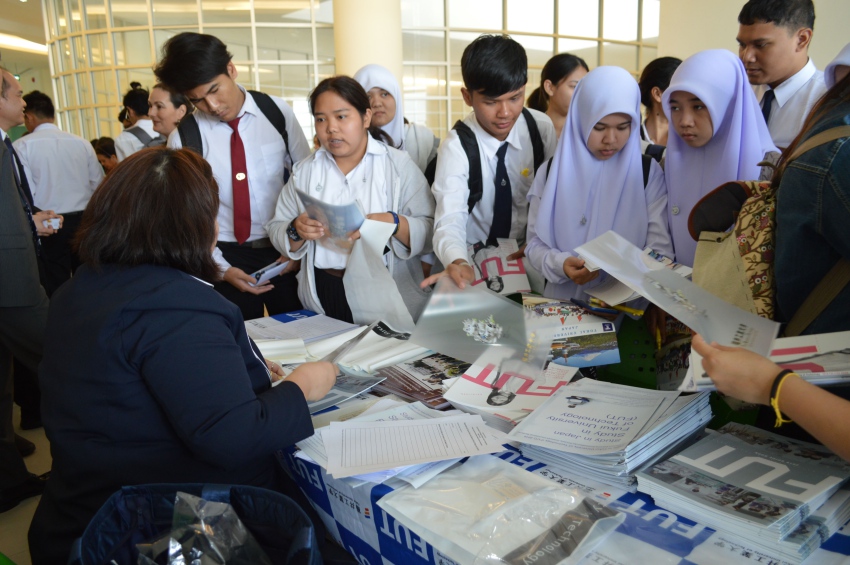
203, 533
490, 512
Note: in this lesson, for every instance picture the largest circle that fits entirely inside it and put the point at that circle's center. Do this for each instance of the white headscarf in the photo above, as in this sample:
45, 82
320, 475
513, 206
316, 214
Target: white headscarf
372, 76
740, 141
843, 58
605, 194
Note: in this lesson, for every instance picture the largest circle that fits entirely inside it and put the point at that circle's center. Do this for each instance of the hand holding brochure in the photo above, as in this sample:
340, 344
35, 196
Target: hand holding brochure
493, 270
268, 272
700, 310
339, 220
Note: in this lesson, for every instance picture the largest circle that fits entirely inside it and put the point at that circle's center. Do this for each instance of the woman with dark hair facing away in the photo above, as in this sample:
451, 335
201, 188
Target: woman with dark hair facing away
356, 161
654, 80
166, 108
104, 149
148, 374
558, 81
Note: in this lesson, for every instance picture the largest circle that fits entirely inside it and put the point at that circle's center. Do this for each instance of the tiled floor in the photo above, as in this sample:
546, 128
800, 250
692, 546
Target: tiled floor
15, 522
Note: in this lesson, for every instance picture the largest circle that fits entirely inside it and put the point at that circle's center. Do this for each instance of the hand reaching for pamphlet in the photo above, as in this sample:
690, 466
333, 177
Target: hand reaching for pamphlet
459, 271
519, 254
314, 379
576, 271
737, 372
748, 376
402, 234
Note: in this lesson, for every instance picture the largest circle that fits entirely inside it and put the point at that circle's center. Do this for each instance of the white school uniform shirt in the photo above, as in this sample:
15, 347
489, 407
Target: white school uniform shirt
337, 188
794, 100
62, 168
265, 156
454, 227
126, 143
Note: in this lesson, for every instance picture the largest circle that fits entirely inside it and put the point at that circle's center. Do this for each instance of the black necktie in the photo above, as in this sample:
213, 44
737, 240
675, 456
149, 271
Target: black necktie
503, 203
766, 103
23, 191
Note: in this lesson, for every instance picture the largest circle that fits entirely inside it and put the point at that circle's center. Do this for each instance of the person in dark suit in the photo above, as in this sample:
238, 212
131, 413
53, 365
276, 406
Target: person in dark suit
23, 302
166, 386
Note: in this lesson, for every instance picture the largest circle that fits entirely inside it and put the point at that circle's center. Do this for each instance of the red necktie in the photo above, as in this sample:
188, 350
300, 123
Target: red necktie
241, 199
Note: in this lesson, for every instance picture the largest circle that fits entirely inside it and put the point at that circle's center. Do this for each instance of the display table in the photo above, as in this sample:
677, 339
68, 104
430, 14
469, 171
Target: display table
649, 535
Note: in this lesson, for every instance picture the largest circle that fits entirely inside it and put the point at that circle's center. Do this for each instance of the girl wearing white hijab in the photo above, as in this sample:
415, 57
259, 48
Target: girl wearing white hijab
595, 184
388, 114
838, 68
718, 135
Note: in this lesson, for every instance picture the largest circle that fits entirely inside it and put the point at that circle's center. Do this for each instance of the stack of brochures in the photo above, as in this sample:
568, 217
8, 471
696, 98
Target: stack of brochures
393, 439
303, 324
503, 398
422, 378
763, 488
607, 432
821, 359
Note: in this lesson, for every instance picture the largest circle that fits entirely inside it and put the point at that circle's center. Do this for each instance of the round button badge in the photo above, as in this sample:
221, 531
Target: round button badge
240, 176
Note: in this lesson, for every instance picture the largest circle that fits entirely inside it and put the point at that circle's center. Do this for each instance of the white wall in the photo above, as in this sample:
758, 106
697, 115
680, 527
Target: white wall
688, 26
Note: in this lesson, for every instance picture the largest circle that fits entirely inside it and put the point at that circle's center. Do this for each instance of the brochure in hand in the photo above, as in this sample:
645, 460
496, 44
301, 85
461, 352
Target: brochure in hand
494, 270
339, 219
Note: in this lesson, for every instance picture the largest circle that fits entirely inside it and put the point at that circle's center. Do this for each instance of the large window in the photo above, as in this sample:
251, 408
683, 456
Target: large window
602, 32
98, 47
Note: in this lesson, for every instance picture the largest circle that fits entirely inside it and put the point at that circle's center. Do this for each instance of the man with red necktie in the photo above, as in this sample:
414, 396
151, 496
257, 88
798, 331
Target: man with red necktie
251, 140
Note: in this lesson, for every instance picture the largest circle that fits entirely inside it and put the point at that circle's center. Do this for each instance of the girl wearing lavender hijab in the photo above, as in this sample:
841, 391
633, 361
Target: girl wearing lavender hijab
595, 184
718, 135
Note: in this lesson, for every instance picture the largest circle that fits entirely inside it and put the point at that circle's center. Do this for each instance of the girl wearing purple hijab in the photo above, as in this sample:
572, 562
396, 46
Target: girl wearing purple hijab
718, 135
595, 184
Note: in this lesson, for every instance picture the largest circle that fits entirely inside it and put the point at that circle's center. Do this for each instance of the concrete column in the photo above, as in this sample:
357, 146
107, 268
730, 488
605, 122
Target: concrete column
367, 31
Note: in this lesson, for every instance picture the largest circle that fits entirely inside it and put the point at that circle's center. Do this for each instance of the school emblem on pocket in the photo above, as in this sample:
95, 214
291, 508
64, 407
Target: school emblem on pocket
483, 331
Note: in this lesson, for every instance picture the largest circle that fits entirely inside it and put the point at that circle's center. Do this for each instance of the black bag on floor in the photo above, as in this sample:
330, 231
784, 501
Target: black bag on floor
136, 514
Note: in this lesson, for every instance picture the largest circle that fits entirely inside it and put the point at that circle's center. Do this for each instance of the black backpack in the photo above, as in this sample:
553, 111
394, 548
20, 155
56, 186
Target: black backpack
470, 147
190, 133
147, 140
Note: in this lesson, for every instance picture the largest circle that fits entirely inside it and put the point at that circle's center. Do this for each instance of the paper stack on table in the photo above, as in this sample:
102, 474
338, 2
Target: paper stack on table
753, 484
379, 445
606, 432
503, 398
309, 329
421, 379
382, 347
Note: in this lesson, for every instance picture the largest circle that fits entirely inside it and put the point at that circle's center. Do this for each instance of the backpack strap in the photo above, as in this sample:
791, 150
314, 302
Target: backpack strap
549, 166
190, 134
273, 114
646, 165
473, 155
816, 140
819, 299
655, 151
141, 135
536, 140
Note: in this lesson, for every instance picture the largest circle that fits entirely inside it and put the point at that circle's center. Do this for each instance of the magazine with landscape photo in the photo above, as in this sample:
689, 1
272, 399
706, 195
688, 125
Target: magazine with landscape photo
580, 339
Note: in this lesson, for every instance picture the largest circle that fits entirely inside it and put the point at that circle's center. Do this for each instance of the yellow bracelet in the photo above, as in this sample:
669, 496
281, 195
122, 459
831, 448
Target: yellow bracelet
774, 397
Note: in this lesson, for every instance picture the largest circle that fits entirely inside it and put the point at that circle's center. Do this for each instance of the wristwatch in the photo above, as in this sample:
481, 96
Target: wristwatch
292, 232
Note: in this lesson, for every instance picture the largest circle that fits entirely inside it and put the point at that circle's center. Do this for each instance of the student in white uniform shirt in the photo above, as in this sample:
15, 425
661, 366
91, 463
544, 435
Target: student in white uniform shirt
141, 133
199, 66
495, 73
388, 114
595, 184
352, 164
773, 42
63, 172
